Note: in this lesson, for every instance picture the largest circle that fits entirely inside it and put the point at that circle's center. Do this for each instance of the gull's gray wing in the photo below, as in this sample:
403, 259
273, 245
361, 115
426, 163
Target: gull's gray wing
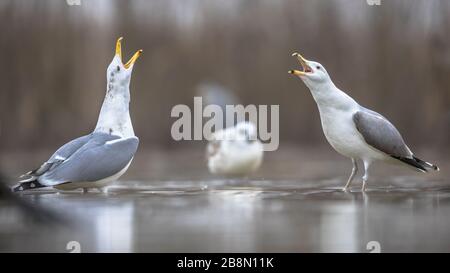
379, 133
60, 155
102, 156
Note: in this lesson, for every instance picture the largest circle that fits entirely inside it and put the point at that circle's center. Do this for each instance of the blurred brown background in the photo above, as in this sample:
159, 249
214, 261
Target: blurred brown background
393, 58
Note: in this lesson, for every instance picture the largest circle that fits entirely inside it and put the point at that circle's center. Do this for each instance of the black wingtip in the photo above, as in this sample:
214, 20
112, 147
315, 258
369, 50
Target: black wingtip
434, 167
16, 188
426, 164
412, 162
418, 163
28, 185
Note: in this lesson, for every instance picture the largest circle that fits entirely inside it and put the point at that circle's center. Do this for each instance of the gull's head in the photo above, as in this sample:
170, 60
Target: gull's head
312, 73
119, 72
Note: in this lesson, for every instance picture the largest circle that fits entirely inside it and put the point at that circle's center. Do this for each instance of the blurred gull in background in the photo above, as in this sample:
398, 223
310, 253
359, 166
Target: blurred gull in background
213, 93
352, 130
217, 94
235, 150
95, 160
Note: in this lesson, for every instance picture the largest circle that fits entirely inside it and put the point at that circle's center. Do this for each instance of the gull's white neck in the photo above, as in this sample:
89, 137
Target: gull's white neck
114, 116
328, 96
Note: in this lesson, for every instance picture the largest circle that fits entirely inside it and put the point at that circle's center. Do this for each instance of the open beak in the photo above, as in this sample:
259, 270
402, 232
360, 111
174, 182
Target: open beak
305, 67
119, 53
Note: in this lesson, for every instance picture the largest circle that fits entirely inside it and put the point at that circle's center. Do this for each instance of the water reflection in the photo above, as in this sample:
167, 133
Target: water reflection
338, 227
242, 216
114, 228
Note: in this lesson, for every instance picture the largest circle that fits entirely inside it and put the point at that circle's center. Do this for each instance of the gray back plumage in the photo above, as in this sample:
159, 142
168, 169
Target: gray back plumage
379, 133
101, 156
69, 148
59, 156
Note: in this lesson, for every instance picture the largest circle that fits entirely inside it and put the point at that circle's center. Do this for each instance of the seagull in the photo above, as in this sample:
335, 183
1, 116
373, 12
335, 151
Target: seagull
235, 150
352, 130
95, 160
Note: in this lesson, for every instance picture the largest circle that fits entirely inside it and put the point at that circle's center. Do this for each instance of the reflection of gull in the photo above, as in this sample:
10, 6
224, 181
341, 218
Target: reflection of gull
353, 130
235, 150
114, 228
10, 201
338, 228
98, 225
102, 156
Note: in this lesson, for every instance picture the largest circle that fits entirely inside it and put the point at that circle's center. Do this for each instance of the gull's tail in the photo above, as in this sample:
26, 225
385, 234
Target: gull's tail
419, 164
27, 184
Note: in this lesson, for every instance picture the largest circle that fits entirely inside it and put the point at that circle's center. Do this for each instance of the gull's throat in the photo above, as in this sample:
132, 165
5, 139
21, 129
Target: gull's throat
327, 95
114, 117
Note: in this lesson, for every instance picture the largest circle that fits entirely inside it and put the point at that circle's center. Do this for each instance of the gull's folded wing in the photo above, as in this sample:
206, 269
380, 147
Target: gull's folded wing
379, 133
102, 156
60, 155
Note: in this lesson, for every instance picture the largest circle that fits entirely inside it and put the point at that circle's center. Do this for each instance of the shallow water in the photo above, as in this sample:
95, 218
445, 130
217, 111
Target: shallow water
402, 214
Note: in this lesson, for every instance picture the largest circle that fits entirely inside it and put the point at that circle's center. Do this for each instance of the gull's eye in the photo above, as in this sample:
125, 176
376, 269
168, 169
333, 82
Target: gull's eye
318, 67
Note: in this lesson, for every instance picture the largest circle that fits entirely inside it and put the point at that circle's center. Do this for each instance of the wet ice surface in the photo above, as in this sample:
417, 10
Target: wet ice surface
404, 214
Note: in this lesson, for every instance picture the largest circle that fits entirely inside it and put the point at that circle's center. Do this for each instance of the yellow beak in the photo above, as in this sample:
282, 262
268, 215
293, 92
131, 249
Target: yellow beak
119, 47
303, 63
119, 53
133, 59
